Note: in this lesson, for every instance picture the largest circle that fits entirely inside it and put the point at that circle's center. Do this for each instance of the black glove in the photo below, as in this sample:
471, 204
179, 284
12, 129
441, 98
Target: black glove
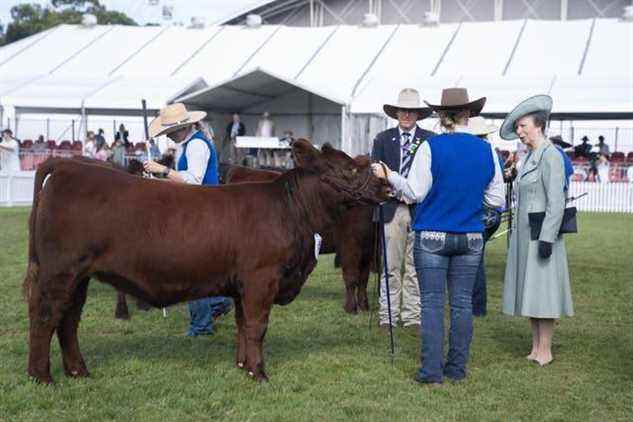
544, 249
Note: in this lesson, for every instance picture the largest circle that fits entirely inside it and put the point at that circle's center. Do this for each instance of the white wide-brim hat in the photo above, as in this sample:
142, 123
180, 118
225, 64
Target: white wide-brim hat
408, 99
531, 105
173, 117
477, 126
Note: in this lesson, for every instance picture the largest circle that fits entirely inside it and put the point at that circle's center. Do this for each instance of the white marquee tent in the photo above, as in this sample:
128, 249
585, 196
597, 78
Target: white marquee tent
326, 82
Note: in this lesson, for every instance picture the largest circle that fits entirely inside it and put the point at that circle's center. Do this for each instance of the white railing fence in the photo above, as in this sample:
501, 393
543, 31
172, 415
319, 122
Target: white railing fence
603, 197
17, 190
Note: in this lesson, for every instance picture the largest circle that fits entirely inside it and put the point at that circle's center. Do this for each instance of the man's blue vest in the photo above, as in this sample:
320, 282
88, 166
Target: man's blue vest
211, 174
462, 167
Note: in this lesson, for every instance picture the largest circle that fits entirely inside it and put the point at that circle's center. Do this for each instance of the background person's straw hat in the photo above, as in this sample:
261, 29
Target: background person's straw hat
477, 126
408, 99
531, 105
455, 99
173, 117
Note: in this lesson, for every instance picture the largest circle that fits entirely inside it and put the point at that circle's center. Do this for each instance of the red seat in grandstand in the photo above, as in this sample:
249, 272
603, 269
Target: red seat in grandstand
617, 157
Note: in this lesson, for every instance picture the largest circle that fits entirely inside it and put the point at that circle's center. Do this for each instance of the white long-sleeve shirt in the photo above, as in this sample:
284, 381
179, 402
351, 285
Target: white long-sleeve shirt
415, 188
198, 156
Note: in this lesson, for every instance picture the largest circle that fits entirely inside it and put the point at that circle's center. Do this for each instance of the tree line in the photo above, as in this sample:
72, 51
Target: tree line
31, 18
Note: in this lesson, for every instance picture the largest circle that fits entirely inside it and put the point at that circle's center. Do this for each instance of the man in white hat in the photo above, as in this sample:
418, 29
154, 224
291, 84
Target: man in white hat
196, 163
396, 147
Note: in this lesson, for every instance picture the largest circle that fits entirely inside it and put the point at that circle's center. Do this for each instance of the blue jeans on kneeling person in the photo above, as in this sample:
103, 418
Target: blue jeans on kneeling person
202, 312
441, 260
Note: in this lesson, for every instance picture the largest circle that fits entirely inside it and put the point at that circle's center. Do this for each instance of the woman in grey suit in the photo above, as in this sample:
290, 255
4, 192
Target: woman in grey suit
537, 278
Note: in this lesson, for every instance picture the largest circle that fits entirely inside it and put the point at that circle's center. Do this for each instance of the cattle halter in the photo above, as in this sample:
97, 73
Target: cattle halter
354, 192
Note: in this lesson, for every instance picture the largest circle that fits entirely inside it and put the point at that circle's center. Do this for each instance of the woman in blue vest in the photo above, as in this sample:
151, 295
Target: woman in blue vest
450, 179
196, 163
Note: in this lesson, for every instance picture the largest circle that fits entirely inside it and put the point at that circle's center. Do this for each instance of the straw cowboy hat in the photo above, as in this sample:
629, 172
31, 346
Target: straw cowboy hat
173, 117
531, 105
477, 126
408, 99
455, 99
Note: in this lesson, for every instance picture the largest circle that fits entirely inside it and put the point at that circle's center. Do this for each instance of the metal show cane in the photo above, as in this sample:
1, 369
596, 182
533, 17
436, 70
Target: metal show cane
384, 254
149, 154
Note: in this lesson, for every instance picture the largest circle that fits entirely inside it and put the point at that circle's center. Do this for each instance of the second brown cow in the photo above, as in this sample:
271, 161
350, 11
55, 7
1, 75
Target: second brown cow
353, 237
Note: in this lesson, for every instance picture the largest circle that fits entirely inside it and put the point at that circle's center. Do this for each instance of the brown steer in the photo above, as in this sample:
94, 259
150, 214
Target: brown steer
352, 237
158, 247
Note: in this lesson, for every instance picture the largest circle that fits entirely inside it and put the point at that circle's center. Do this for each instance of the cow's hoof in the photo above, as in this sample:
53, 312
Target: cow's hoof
122, 314
77, 373
42, 379
240, 365
350, 310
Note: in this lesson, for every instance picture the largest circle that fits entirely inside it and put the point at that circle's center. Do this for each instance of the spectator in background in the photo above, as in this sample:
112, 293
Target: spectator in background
233, 130
118, 153
602, 168
604, 148
123, 135
265, 126
154, 152
39, 146
90, 145
99, 138
9, 153
103, 152
584, 149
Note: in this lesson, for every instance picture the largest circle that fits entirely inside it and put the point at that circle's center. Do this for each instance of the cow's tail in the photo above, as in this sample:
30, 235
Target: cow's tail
32, 270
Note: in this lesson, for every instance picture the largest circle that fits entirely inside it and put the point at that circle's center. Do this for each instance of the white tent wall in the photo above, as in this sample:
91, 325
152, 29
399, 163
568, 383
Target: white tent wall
307, 115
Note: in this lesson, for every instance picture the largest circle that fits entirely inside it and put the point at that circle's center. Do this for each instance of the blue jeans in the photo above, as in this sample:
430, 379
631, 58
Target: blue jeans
202, 312
480, 294
443, 259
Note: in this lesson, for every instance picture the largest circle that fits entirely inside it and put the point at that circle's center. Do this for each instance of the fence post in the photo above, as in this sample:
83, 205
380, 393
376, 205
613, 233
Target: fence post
617, 132
48, 129
73, 130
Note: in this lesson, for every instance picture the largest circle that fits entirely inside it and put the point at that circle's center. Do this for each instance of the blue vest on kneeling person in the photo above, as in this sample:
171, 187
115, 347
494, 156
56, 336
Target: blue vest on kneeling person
211, 173
462, 167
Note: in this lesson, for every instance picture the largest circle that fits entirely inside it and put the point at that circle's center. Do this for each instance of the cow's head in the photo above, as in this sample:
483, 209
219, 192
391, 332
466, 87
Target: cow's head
349, 177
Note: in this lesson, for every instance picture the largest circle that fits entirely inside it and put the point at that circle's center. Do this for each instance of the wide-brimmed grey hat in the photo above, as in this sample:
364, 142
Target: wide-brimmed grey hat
531, 105
408, 99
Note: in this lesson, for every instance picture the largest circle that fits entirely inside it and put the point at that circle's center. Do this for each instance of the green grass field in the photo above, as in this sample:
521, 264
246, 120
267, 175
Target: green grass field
328, 366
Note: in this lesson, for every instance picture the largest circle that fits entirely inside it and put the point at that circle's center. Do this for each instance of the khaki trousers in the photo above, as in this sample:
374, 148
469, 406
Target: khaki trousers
403, 285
